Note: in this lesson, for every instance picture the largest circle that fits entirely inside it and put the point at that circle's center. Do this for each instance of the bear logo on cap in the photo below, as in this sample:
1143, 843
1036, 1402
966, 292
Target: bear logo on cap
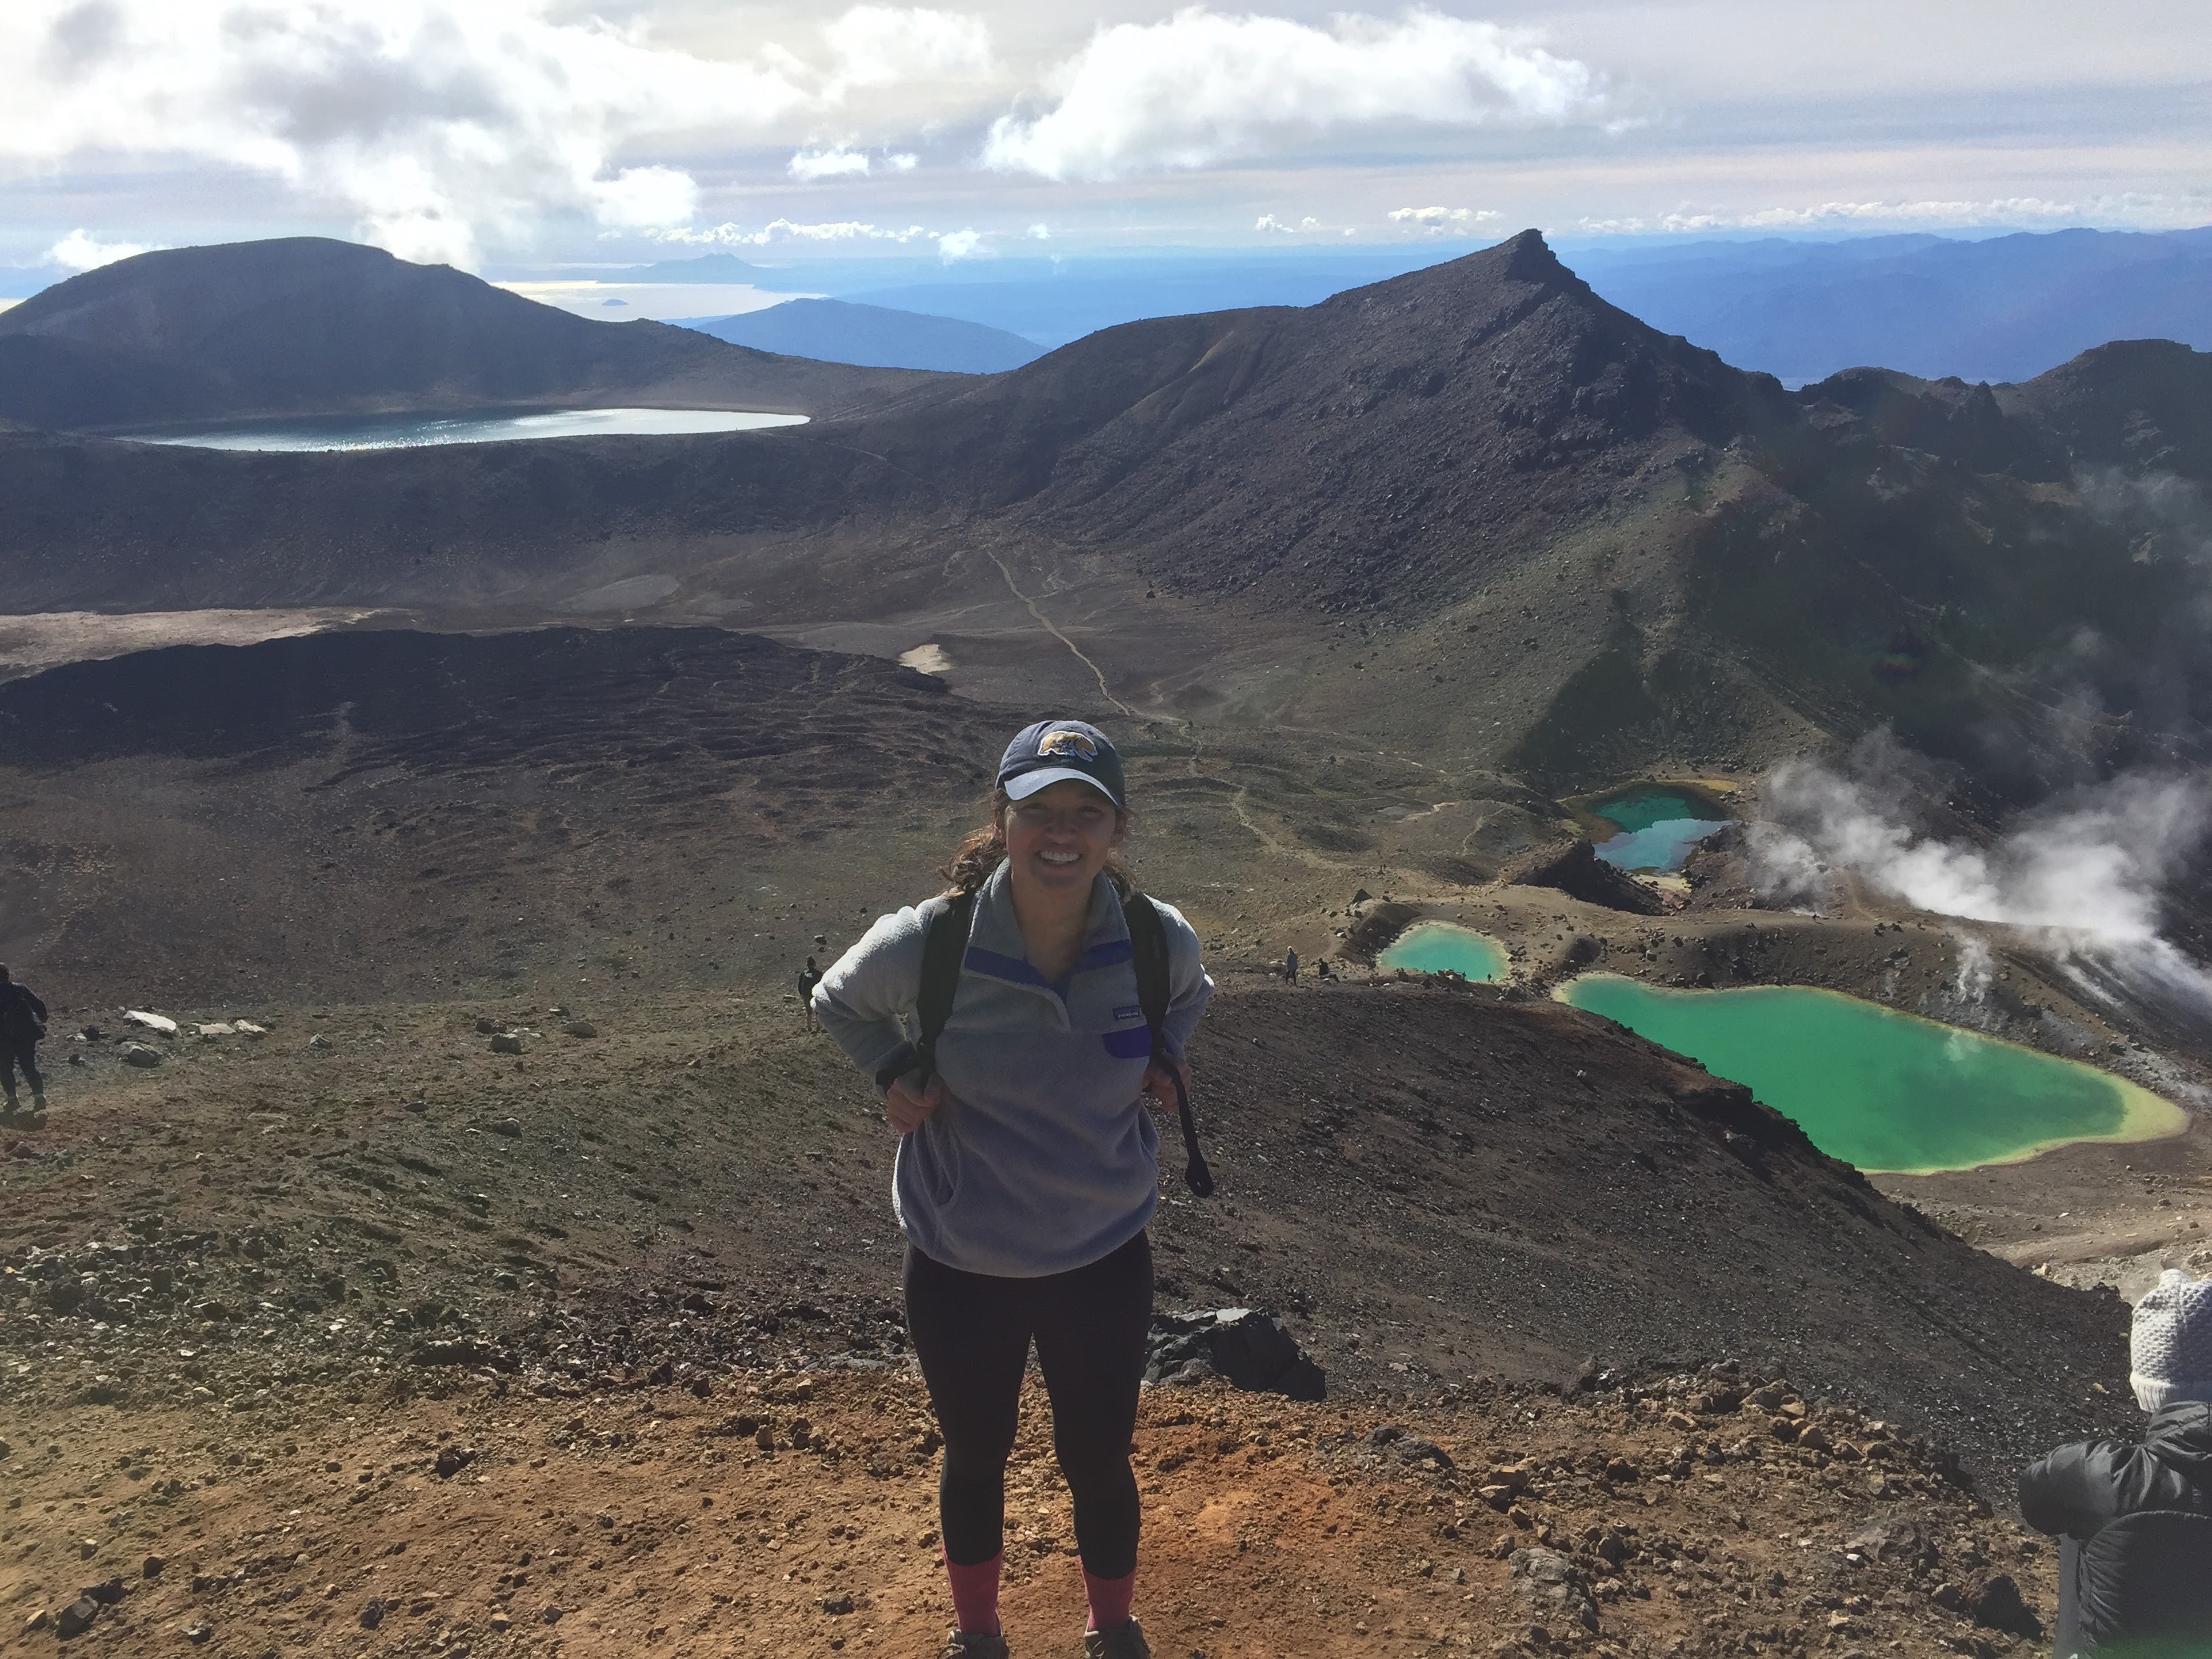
1075, 745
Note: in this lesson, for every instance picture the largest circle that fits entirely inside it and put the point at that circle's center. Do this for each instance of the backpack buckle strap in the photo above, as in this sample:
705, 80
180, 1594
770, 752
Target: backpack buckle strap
920, 1061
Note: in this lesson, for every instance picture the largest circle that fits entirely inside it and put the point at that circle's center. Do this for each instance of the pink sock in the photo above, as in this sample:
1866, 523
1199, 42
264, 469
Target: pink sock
976, 1594
1109, 1599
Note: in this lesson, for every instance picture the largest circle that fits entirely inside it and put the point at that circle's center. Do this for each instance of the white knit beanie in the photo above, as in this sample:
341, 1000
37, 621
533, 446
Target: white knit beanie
2170, 1351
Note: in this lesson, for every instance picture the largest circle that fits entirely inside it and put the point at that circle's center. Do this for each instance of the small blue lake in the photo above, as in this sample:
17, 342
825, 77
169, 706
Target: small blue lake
1655, 827
417, 431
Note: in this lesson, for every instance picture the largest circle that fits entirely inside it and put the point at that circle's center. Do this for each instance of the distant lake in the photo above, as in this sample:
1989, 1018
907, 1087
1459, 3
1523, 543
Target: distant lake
415, 431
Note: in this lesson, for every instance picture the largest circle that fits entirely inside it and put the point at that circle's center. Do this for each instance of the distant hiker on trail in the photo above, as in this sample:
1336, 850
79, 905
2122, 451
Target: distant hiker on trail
22, 1023
1290, 966
809, 978
2134, 1563
1028, 1166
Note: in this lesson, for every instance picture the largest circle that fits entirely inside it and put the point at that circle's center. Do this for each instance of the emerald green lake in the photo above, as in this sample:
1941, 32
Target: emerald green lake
1887, 1092
1441, 947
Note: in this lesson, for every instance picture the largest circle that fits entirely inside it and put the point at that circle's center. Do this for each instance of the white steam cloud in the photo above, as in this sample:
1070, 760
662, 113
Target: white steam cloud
437, 124
2087, 869
1201, 86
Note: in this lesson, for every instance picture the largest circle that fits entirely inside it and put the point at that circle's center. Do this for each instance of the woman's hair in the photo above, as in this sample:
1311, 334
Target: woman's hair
983, 850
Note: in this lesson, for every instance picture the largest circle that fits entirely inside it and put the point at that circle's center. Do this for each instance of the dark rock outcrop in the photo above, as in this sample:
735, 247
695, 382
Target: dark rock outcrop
1246, 1346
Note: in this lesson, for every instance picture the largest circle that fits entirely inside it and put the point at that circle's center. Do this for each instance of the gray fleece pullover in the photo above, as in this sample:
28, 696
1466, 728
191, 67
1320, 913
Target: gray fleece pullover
1043, 1158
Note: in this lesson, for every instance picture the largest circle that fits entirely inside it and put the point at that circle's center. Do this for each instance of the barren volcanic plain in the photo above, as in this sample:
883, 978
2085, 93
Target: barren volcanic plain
519, 1277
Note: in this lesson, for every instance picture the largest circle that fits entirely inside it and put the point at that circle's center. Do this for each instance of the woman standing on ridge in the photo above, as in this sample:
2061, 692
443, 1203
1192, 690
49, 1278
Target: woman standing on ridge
1028, 1165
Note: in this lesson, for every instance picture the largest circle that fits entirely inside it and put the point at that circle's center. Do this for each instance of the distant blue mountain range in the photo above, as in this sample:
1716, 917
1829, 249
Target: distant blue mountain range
2005, 309
838, 332
2001, 308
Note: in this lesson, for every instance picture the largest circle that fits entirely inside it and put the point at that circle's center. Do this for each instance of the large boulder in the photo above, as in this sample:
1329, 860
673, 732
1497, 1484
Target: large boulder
1246, 1346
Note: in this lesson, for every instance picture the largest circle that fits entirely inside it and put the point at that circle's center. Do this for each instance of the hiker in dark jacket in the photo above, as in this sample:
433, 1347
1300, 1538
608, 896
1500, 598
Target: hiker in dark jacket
22, 1023
1028, 1165
2134, 1518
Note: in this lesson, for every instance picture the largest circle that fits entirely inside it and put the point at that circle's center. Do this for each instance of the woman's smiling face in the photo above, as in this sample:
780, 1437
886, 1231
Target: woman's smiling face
1060, 838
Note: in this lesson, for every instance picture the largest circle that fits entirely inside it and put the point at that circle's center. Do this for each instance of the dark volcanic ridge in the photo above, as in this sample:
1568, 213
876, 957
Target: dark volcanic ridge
305, 325
1515, 491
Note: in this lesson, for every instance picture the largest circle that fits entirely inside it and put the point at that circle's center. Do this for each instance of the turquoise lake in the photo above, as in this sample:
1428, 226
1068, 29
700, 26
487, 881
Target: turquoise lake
1443, 947
417, 431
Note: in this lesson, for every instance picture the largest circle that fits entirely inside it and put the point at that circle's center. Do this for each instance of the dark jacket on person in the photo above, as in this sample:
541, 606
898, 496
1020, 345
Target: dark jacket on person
22, 1016
2135, 1574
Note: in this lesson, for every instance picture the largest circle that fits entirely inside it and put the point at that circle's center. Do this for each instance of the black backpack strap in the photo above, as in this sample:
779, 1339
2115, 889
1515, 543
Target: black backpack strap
943, 944
1148, 954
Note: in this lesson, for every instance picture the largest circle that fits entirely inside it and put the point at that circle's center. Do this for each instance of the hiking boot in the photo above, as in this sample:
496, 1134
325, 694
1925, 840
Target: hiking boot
1122, 1642
966, 1645
38, 1103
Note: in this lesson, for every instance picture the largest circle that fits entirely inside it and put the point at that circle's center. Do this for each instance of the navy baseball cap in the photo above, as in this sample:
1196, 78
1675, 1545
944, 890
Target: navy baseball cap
1061, 752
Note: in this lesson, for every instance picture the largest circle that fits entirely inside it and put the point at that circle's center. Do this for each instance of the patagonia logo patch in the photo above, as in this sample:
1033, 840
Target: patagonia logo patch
1075, 745
1128, 1013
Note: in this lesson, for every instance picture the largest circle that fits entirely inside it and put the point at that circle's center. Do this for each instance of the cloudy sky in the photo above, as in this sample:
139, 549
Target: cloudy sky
517, 135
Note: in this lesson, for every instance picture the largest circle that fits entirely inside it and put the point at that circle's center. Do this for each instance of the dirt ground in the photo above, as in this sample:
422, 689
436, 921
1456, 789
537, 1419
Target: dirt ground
455, 1515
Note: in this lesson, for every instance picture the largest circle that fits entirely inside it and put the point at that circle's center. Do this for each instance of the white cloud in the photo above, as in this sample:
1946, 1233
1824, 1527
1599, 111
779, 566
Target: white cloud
880, 45
1269, 222
437, 124
642, 198
80, 251
783, 230
812, 164
2126, 208
843, 163
1441, 221
958, 244
1201, 86
1040, 232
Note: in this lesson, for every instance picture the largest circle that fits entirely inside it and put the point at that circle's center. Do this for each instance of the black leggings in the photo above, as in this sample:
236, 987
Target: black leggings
25, 1055
971, 1333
